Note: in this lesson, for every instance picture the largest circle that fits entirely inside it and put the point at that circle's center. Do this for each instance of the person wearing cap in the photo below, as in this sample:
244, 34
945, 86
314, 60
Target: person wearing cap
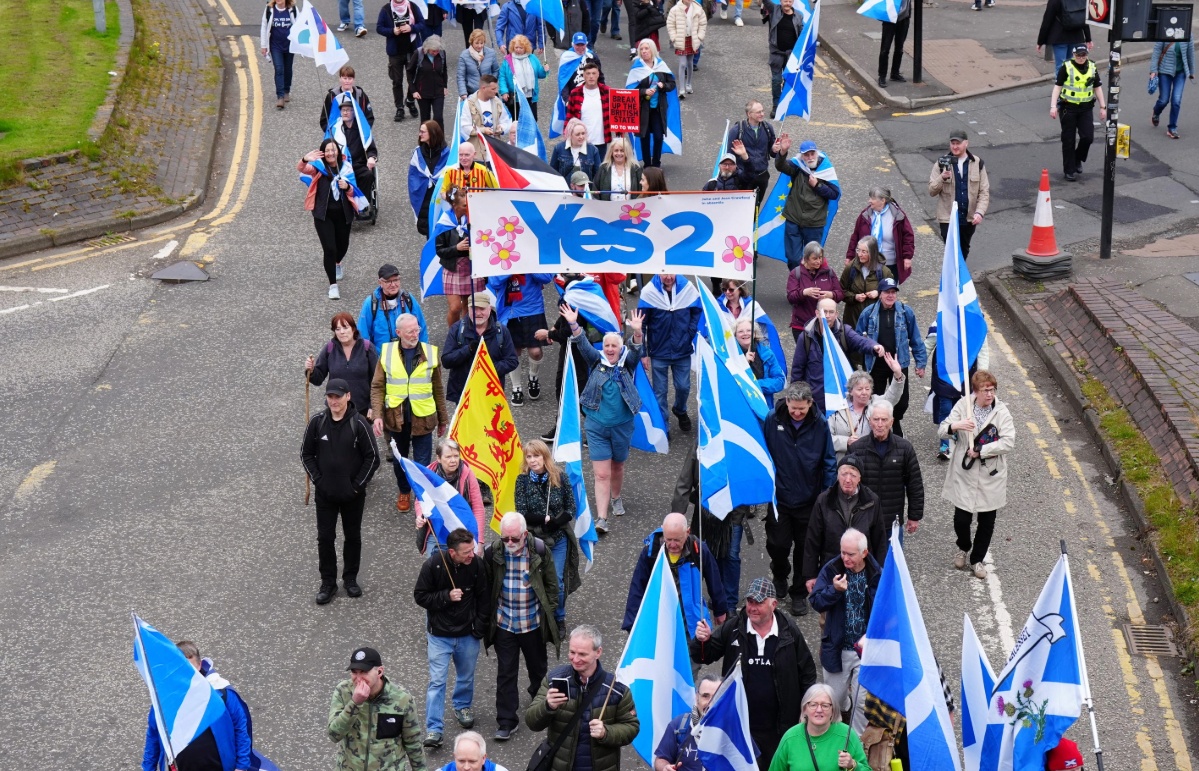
728, 176
806, 210
383, 307
892, 323
373, 720
362, 157
572, 62
1055, 34
844, 593
463, 340
1075, 92
961, 177
592, 104
470, 754
684, 554
776, 664
676, 750
524, 314
345, 84
340, 457
1064, 757
848, 503
408, 401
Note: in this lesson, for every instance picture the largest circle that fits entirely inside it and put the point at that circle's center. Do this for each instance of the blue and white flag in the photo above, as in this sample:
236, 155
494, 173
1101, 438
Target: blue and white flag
672, 142
772, 333
770, 216
800, 72
961, 328
656, 665
722, 736
685, 295
184, 703
881, 10
447, 7
528, 135
1040, 692
721, 150
649, 424
587, 296
978, 680
717, 327
357, 199
431, 281
836, 374
336, 128
421, 178
568, 452
551, 11
310, 36
443, 507
734, 467
898, 667
568, 65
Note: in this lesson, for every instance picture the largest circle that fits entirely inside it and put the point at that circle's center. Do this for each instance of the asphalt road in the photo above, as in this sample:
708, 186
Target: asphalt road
152, 434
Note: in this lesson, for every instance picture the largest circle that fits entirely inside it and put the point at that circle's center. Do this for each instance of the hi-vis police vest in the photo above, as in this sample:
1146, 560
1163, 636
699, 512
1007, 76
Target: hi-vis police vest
416, 386
1079, 87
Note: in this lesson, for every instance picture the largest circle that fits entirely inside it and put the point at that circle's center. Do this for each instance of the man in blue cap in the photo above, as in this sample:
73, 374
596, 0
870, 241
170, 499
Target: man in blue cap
805, 212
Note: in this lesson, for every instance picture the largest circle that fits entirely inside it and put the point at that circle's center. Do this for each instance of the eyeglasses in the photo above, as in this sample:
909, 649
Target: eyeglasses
512, 538
987, 390
823, 706
392, 280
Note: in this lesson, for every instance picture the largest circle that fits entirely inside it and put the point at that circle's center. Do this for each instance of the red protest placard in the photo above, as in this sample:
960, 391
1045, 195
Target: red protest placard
624, 110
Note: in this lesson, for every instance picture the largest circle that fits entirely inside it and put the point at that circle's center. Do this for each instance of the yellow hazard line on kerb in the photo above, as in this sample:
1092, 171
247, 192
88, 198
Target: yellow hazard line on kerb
1064, 453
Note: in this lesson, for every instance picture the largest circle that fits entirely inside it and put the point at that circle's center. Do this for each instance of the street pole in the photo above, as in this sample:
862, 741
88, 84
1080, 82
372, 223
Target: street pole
1113, 118
101, 19
918, 41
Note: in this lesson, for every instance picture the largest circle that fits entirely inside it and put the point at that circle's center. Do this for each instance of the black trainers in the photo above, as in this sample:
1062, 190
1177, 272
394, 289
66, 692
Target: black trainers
534, 389
684, 421
411, 104
325, 593
799, 606
518, 398
352, 587
399, 115
548, 436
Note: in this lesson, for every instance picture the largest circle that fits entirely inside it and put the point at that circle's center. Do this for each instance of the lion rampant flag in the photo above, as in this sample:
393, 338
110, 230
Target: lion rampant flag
483, 427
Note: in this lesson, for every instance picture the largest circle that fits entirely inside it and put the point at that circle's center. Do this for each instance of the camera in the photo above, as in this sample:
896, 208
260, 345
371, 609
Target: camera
946, 161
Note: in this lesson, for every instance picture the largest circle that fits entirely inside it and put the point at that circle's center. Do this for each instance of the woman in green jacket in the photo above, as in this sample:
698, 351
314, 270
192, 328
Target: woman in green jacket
820, 735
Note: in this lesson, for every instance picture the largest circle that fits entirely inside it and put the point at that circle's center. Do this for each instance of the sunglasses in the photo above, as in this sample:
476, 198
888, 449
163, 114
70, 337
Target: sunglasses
512, 538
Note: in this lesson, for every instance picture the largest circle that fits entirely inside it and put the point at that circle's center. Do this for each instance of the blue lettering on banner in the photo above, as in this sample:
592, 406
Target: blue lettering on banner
684, 253
579, 238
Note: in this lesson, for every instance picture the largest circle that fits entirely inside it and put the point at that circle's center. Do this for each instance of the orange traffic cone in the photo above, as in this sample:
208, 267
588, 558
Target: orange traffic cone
1043, 242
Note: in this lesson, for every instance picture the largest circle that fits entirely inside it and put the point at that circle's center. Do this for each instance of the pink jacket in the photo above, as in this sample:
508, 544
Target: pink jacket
803, 309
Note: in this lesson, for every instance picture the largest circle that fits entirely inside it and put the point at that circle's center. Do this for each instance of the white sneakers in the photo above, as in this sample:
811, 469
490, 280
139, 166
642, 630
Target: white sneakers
334, 293
738, 22
959, 561
979, 569
340, 272
724, 12
343, 27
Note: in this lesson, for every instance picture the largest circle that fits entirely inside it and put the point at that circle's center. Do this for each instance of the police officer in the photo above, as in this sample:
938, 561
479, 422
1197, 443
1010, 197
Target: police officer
1074, 95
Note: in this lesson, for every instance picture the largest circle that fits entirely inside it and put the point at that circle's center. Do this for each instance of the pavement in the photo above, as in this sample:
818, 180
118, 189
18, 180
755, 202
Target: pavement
149, 460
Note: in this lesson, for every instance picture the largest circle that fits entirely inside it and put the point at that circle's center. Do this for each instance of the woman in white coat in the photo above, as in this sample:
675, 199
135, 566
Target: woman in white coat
853, 422
983, 433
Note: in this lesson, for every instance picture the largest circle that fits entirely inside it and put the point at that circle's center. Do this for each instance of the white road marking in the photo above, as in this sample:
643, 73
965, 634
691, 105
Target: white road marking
7, 311
41, 289
80, 293
1003, 619
166, 250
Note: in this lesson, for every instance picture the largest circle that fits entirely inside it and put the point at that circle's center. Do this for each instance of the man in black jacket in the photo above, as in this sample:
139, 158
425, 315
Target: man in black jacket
752, 140
891, 470
340, 456
776, 664
453, 593
462, 342
847, 504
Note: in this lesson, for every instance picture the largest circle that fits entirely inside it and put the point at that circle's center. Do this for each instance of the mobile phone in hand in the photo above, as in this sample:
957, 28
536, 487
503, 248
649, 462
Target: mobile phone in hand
561, 684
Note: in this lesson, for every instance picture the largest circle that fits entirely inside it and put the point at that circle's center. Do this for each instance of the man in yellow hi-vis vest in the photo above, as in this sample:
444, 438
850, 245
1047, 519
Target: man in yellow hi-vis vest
409, 399
1075, 93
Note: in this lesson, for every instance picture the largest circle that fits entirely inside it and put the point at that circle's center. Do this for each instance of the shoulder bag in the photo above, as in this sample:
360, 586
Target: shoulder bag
811, 749
543, 756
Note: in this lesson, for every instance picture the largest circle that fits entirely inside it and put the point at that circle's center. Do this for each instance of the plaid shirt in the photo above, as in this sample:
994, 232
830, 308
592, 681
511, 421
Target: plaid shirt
518, 607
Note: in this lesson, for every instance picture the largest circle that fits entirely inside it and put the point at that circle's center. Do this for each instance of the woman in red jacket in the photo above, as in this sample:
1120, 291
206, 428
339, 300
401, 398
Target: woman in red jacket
891, 225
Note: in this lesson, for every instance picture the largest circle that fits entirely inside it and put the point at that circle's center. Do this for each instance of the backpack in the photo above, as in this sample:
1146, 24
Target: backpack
401, 298
1073, 15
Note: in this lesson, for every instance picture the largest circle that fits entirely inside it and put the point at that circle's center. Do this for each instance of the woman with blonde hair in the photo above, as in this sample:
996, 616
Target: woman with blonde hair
545, 498
619, 176
520, 69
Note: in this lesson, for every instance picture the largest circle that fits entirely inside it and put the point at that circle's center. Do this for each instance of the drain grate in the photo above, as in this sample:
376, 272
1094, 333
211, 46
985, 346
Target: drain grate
1150, 640
111, 239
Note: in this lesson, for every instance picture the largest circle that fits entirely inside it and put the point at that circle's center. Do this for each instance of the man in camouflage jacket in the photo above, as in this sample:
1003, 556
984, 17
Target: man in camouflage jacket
374, 721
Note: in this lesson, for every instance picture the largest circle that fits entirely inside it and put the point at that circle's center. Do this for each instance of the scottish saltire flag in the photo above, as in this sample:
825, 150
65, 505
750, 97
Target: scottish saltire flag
421, 177
899, 669
672, 142
836, 374
551, 11
722, 737
528, 136
961, 328
441, 504
770, 216
310, 36
772, 334
337, 130
685, 295
978, 680
357, 199
568, 451
734, 467
431, 282
649, 425
568, 64
1041, 690
721, 150
588, 297
447, 6
881, 10
800, 72
185, 704
716, 326
655, 665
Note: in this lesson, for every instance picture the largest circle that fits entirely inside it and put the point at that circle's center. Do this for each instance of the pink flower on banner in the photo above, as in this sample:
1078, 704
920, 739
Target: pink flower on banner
737, 251
635, 213
484, 237
509, 226
503, 254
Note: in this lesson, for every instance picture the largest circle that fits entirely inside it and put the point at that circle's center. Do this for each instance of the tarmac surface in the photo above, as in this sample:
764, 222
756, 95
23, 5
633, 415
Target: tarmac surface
151, 454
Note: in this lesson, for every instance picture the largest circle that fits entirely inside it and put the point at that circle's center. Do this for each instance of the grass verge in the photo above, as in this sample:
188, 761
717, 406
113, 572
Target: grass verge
56, 68
1175, 526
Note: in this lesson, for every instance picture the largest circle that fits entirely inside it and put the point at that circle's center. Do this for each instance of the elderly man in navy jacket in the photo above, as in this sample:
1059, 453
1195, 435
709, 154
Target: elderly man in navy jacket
672, 312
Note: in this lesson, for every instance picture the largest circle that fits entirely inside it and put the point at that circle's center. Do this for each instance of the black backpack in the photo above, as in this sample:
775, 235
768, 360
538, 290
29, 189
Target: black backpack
1073, 15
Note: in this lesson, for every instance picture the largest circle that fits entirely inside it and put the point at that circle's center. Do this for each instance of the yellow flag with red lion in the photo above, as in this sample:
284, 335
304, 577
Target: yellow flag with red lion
485, 431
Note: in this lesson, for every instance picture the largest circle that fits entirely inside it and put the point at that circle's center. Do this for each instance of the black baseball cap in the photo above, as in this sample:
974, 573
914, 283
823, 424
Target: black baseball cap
886, 284
1081, 48
388, 270
364, 660
337, 387
957, 134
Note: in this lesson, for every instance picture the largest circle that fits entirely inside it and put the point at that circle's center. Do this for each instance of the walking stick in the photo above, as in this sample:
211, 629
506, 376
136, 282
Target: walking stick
307, 479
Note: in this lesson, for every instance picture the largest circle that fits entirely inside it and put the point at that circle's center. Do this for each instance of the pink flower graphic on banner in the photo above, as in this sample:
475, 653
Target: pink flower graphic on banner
509, 226
635, 213
503, 254
484, 237
737, 251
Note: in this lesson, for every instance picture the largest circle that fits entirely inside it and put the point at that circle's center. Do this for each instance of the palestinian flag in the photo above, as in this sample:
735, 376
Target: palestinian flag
516, 169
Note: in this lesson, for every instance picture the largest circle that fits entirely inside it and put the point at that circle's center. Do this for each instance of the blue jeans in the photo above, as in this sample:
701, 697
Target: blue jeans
343, 10
681, 369
596, 10
1170, 88
941, 408
695, 58
736, 8
559, 552
1061, 52
282, 58
730, 568
610, 6
465, 653
796, 238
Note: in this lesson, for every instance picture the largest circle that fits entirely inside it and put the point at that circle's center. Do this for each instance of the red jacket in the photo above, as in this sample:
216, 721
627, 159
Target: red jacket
901, 234
574, 109
803, 309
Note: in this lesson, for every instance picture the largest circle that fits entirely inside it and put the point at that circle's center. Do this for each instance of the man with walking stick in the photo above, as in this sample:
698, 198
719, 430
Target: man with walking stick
453, 592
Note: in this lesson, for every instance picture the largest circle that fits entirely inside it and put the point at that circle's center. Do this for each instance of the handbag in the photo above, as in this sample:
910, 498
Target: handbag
986, 436
543, 756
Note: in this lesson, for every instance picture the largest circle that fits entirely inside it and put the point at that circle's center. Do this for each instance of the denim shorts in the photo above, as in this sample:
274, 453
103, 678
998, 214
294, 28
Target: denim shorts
609, 442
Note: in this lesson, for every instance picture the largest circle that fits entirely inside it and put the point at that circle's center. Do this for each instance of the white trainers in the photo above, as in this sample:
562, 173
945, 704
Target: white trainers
979, 569
334, 292
959, 561
343, 27
360, 32
738, 22
689, 89
340, 273
724, 12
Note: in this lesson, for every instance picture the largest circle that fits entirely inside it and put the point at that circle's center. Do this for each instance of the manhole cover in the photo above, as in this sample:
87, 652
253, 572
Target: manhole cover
1150, 640
111, 239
